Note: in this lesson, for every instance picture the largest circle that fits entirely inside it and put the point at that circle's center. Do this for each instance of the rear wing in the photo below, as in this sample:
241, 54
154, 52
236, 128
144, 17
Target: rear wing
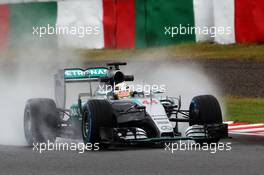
62, 77
90, 74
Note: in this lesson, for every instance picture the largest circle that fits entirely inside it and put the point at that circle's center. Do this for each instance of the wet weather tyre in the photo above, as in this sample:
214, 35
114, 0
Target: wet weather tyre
97, 114
205, 109
41, 120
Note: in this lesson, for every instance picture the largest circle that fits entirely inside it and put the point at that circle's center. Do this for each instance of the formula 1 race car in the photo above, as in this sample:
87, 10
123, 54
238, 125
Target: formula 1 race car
113, 113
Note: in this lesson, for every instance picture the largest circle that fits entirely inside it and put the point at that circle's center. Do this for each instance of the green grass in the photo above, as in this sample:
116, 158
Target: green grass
181, 51
245, 109
178, 51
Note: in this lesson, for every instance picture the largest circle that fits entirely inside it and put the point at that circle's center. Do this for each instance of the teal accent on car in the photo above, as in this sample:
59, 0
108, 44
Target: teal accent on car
78, 73
136, 101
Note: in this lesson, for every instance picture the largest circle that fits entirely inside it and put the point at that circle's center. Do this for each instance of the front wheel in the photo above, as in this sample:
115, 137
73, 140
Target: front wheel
205, 111
41, 120
97, 114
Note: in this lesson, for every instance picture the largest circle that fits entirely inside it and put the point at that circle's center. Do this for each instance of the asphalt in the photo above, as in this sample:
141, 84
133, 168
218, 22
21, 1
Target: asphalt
245, 157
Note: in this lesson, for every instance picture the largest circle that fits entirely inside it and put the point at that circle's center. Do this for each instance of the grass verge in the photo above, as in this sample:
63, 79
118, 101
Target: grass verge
190, 51
245, 109
181, 51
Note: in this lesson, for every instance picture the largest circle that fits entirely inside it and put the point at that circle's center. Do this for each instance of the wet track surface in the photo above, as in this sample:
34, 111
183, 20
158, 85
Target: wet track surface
246, 157
238, 78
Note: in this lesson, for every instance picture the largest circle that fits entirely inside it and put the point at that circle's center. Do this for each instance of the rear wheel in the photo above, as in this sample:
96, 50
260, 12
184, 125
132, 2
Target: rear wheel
41, 120
98, 114
205, 110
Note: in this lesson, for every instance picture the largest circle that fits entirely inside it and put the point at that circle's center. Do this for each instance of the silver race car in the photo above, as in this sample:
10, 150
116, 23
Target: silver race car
115, 114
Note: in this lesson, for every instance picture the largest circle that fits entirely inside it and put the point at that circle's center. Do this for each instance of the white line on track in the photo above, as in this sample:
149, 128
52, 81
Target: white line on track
248, 125
250, 134
250, 130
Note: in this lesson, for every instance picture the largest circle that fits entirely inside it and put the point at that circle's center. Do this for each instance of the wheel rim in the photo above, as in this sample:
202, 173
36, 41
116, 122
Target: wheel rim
194, 111
193, 105
28, 127
86, 126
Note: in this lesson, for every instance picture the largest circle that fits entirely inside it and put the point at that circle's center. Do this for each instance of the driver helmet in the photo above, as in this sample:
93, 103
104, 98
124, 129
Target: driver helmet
121, 90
